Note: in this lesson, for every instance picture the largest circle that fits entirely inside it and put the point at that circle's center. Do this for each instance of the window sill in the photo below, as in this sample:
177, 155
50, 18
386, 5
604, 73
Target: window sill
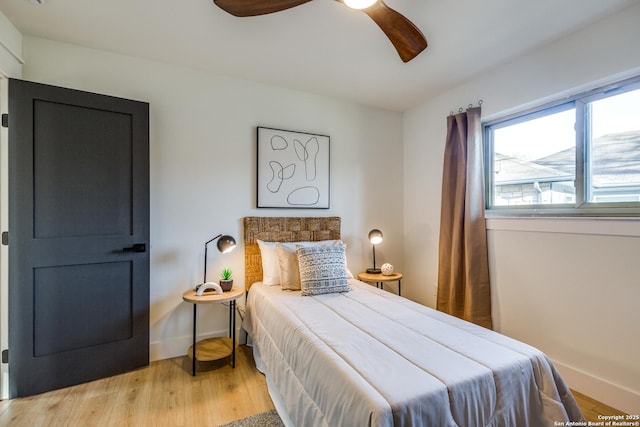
596, 226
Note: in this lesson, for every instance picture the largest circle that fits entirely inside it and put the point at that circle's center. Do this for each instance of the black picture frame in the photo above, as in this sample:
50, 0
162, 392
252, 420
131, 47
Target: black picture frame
293, 169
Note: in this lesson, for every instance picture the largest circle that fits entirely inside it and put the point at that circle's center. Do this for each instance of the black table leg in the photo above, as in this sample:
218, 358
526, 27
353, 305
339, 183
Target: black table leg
193, 359
232, 323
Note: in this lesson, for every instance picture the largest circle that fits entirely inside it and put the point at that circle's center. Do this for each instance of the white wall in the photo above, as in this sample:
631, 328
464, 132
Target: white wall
203, 150
573, 295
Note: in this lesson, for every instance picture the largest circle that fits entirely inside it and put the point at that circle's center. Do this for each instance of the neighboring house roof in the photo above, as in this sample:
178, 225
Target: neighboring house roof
618, 163
509, 170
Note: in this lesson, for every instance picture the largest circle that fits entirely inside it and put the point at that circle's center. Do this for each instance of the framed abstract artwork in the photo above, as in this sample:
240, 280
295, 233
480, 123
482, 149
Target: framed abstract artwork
293, 169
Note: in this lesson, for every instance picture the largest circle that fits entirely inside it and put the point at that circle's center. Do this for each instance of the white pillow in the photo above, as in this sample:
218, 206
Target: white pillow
288, 260
270, 266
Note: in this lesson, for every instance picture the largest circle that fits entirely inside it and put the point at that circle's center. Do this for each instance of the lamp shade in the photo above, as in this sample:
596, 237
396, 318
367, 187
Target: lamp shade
226, 244
375, 236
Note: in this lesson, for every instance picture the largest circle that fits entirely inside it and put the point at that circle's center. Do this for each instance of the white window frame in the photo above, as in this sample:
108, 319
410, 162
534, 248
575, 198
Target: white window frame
581, 207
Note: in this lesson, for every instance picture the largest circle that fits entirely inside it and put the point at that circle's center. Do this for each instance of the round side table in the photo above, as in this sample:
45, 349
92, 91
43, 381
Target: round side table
214, 348
379, 279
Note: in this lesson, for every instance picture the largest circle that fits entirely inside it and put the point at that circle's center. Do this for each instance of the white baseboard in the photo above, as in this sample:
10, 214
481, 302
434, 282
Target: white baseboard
606, 392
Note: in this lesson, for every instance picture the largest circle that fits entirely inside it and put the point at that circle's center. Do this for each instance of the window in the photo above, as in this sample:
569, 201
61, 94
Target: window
576, 157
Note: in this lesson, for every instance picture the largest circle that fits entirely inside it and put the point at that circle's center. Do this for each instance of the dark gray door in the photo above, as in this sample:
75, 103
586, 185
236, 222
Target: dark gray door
78, 236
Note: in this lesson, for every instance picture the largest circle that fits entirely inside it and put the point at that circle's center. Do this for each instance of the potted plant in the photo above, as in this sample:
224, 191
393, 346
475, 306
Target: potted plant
226, 282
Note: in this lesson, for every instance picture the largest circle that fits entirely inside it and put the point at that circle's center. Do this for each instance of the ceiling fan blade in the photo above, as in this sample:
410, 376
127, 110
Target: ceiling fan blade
244, 8
403, 34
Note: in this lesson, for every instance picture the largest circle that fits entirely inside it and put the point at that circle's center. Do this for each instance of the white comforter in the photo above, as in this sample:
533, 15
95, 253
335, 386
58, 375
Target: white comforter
370, 358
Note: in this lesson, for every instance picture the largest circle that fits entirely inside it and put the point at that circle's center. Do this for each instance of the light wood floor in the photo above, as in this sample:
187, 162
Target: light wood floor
162, 394
165, 394
591, 408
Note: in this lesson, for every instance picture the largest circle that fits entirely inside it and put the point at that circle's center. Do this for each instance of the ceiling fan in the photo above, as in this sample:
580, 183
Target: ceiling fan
403, 34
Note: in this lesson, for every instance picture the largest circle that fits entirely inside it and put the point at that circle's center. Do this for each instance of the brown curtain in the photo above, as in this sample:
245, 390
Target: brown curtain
463, 273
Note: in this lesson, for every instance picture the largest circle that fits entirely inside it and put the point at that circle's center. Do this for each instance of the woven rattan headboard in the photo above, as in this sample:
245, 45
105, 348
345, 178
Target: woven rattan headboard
282, 229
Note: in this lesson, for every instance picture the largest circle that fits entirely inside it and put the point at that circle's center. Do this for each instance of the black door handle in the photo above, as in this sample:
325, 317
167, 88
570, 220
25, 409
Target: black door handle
137, 247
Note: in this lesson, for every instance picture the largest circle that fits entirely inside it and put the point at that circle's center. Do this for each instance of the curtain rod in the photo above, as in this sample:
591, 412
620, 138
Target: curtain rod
460, 110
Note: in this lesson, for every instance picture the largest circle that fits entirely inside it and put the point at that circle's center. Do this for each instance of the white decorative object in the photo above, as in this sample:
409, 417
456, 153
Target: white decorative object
387, 269
209, 285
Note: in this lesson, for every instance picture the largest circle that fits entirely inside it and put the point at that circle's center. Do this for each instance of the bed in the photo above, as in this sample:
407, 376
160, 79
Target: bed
367, 357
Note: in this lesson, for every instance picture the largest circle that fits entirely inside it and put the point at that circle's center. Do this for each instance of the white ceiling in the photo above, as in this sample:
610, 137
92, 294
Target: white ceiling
322, 46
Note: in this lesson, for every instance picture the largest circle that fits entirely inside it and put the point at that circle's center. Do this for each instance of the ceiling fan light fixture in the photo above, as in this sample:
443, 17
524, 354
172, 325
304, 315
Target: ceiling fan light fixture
359, 4
405, 37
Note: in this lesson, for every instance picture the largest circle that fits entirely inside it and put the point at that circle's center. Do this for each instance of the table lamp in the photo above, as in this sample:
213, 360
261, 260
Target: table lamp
225, 244
375, 237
